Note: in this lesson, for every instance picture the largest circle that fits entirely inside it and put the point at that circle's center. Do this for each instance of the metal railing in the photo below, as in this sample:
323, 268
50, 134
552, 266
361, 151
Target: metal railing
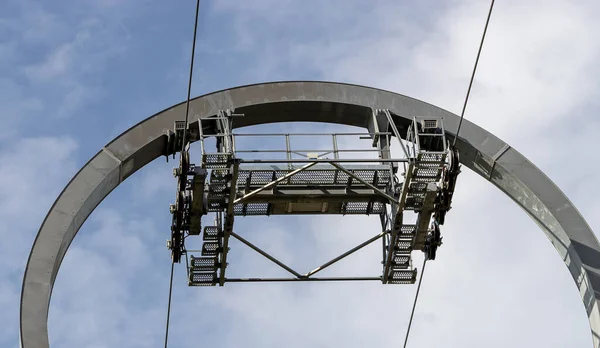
285, 152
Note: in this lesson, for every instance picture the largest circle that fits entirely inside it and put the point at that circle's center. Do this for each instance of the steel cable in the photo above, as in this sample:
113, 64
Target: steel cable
183, 143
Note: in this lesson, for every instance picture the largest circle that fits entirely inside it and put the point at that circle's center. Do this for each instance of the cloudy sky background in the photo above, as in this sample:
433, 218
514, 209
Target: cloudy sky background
74, 74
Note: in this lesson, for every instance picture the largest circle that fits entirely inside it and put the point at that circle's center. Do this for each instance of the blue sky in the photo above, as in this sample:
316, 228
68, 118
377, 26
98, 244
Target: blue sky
74, 74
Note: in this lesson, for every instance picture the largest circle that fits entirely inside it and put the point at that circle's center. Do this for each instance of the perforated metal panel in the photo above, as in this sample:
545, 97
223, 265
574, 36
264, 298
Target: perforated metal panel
211, 233
404, 245
428, 124
216, 160
400, 262
354, 208
329, 176
251, 209
403, 277
431, 157
203, 264
408, 231
202, 279
210, 248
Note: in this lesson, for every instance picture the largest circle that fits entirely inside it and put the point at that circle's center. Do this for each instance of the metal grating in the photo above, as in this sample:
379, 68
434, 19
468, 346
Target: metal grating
202, 279
313, 177
211, 248
428, 124
211, 233
217, 187
366, 175
403, 277
216, 160
408, 231
251, 209
355, 208
204, 264
400, 262
404, 245
431, 157
219, 177
377, 208
425, 179
428, 172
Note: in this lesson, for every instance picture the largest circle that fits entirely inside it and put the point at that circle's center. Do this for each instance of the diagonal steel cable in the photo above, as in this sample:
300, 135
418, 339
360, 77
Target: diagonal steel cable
462, 114
187, 112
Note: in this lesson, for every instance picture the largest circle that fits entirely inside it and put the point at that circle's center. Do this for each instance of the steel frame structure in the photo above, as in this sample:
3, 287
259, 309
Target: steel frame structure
346, 104
249, 189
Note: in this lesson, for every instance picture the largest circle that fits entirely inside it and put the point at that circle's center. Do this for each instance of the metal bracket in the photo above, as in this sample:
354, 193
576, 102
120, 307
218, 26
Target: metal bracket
496, 157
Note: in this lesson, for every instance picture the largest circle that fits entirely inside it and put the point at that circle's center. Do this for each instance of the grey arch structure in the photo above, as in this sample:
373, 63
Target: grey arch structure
345, 104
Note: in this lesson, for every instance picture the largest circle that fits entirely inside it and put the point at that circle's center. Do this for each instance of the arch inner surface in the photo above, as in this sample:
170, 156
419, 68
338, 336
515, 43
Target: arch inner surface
330, 102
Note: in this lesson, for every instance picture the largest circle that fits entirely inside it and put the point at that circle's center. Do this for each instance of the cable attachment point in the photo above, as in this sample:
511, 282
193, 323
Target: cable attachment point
189, 206
433, 241
177, 136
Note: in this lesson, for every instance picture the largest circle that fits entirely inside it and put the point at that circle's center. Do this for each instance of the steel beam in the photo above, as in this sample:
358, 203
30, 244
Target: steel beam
317, 195
328, 279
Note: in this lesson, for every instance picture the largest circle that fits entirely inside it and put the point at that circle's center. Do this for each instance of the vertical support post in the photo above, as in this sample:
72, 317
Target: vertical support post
226, 146
201, 135
229, 219
396, 132
288, 151
336, 154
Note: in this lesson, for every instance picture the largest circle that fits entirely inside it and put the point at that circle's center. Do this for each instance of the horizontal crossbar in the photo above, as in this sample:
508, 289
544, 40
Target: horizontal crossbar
315, 195
327, 279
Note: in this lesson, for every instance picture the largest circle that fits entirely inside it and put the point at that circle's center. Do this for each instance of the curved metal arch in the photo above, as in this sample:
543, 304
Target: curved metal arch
345, 104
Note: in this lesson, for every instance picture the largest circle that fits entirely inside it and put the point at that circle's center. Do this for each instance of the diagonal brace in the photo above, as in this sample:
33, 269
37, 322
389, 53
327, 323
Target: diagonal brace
395, 130
228, 225
378, 191
351, 251
265, 254
273, 183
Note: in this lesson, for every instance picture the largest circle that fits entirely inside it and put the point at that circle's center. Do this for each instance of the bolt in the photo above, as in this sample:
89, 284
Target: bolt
172, 208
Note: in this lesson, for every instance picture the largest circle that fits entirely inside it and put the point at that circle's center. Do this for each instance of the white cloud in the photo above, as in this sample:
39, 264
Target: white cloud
102, 296
32, 172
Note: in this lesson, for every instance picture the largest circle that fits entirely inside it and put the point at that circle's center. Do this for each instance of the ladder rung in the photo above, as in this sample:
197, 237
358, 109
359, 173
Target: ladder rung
400, 262
403, 277
211, 248
211, 233
403, 245
202, 279
203, 264
407, 231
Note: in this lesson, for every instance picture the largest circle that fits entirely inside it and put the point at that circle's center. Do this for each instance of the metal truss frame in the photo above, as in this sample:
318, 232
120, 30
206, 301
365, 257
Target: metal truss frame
306, 276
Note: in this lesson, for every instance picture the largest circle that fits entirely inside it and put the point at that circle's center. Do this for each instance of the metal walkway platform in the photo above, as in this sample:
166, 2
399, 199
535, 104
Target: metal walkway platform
233, 182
